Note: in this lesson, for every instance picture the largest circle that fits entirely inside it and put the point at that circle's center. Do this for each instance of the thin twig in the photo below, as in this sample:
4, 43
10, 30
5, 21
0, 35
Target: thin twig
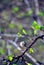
39, 37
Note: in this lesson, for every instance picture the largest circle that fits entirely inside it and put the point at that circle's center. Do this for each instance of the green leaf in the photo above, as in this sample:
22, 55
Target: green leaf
16, 9
2, 51
20, 15
35, 32
24, 31
29, 64
12, 25
20, 26
42, 27
31, 50
41, 13
36, 25
29, 13
19, 34
10, 57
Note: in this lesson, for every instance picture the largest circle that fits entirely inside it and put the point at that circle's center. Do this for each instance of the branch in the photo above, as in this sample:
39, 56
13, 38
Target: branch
39, 37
